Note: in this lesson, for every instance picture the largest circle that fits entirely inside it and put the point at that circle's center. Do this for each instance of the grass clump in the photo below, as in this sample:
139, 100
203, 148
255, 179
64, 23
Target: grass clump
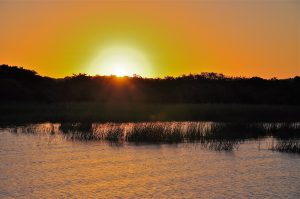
115, 134
287, 145
155, 132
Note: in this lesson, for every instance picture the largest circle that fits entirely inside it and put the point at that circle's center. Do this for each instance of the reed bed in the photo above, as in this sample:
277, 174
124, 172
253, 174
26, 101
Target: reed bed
287, 145
217, 136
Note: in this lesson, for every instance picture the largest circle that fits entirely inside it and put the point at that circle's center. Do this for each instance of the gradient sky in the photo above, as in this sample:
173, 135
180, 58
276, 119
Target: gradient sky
160, 38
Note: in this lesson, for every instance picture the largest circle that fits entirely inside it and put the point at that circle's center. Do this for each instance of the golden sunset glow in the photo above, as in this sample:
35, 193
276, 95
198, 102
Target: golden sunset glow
120, 61
152, 38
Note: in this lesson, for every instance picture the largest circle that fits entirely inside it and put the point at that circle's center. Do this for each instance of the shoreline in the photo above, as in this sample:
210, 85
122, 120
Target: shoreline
138, 112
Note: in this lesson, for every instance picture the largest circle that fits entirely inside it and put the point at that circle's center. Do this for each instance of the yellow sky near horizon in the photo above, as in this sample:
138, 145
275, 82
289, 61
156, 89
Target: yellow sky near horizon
152, 38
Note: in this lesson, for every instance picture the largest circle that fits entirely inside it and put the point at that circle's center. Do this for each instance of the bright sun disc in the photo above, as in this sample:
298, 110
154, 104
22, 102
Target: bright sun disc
120, 61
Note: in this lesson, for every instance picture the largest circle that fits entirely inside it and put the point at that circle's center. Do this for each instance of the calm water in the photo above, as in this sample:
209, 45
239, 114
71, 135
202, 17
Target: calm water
47, 165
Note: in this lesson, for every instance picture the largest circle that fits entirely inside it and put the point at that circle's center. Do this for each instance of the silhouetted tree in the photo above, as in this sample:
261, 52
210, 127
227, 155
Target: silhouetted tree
21, 85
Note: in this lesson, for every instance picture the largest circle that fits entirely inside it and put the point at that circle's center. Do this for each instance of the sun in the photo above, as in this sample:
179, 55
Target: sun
120, 71
120, 61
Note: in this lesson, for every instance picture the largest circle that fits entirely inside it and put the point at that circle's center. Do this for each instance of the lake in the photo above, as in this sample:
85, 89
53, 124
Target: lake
51, 161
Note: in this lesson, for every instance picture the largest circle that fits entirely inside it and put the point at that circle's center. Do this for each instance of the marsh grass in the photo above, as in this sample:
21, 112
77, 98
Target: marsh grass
284, 131
155, 132
221, 145
217, 136
287, 145
77, 131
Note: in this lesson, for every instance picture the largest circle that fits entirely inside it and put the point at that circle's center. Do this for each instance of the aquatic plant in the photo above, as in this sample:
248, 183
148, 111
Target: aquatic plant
287, 145
216, 136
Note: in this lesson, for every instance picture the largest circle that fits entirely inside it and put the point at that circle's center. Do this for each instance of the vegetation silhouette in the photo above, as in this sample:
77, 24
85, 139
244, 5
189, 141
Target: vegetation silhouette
22, 85
27, 97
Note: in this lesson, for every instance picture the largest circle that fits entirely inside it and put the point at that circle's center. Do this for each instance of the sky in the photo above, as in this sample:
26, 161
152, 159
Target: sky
152, 38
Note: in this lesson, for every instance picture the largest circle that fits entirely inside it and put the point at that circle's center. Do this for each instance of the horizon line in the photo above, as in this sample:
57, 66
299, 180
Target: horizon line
154, 77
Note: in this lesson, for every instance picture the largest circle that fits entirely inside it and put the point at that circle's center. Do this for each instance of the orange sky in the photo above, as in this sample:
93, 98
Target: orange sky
238, 38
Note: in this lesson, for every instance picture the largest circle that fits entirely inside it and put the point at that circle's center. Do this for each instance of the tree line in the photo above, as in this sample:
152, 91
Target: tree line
22, 85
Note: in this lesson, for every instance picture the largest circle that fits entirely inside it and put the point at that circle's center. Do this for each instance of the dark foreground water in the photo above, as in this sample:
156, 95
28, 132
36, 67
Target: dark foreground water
48, 164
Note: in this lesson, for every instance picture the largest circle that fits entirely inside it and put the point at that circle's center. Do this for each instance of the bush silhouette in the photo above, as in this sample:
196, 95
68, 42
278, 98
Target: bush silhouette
22, 85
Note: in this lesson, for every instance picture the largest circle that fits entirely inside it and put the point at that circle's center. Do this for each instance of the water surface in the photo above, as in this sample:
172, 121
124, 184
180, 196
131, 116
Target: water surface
50, 165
